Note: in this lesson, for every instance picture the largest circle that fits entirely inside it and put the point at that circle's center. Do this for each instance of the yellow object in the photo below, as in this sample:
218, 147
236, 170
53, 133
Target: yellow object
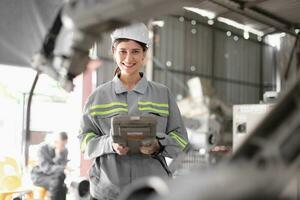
11, 180
8, 194
13, 163
10, 175
42, 193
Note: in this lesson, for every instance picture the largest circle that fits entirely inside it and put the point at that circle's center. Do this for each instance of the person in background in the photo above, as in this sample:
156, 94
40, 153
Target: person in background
51, 162
129, 93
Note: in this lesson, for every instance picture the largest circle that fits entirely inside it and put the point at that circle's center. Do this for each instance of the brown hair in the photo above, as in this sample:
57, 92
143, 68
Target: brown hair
63, 136
118, 41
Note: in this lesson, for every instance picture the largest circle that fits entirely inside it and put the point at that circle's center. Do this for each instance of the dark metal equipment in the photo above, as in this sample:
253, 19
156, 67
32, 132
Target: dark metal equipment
145, 189
133, 131
80, 189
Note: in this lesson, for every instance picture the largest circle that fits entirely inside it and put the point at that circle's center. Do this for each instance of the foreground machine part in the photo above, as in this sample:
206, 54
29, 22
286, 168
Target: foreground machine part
227, 182
260, 168
80, 189
145, 189
65, 50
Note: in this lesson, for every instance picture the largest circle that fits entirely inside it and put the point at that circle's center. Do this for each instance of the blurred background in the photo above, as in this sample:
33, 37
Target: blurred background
227, 62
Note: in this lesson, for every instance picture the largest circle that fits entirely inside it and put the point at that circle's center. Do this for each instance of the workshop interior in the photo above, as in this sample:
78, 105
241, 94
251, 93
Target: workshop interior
232, 67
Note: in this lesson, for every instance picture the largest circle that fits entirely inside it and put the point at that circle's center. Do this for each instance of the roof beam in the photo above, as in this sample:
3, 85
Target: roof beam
249, 4
260, 17
253, 6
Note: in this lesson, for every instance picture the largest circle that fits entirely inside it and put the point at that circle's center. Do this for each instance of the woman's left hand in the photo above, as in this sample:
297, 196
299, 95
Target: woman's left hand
151, 148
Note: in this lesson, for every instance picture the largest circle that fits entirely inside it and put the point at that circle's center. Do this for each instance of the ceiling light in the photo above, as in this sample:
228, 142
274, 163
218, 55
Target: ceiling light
240, 26
194, 31
259, 38
202, 12
235, 38
275, 39
210, 22
246, 35
159, 23
181, 19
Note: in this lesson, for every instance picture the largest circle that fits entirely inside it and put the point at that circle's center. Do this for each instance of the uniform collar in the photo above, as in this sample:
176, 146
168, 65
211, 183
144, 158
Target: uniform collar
140, 87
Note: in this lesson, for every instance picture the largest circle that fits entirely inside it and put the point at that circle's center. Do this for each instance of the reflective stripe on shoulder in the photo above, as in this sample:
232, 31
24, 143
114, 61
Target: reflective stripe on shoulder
145, 103
116, 110
155, 110
109, 108
108, 105
86, 139
179, 139
159, 108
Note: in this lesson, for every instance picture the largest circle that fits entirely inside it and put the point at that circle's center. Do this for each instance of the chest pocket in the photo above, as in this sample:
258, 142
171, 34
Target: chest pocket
103, 113
159, 110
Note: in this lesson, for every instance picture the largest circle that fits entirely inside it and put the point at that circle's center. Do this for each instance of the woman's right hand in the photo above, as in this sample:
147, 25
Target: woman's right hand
120, 149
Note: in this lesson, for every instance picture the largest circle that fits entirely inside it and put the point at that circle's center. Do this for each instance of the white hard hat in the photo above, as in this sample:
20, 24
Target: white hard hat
138, 32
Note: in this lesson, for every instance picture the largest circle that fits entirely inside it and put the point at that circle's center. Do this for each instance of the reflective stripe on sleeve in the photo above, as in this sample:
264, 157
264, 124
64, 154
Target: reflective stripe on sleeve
86, 139
179, 139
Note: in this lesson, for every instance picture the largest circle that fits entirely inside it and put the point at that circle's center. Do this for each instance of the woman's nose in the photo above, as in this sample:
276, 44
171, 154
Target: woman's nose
128, 57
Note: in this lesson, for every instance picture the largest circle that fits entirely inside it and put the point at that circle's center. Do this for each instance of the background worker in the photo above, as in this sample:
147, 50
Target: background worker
51, 162
129, 93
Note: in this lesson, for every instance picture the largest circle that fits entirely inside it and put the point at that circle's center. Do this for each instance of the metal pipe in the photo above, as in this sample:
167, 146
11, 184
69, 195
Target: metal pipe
213, 58
249, 4
28, 114
261, 74
287, 69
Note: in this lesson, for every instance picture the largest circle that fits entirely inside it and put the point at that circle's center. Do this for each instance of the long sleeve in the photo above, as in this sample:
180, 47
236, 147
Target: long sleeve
62, 158
93, 142
46, 162
175, 139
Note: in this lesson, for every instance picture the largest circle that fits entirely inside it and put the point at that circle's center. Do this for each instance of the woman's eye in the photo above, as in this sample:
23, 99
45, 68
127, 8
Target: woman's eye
122, 52
136, 52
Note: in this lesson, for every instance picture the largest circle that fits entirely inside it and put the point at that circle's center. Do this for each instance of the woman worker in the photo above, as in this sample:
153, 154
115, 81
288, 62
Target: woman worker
129, 93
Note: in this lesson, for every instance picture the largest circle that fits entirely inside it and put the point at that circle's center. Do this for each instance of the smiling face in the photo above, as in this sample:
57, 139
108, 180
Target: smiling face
129, 56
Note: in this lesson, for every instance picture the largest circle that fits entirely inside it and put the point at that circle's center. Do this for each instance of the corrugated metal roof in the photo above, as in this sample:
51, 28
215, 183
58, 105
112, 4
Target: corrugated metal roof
288, 9
263, 15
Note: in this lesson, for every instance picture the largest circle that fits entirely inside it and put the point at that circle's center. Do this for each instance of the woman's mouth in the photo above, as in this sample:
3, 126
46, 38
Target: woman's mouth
128, 65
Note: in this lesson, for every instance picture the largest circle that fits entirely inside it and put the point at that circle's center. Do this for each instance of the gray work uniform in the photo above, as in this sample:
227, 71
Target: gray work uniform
49, 171
110, 172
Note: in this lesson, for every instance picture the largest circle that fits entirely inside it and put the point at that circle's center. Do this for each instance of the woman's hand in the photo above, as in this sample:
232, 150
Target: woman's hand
151, 148
120, 149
